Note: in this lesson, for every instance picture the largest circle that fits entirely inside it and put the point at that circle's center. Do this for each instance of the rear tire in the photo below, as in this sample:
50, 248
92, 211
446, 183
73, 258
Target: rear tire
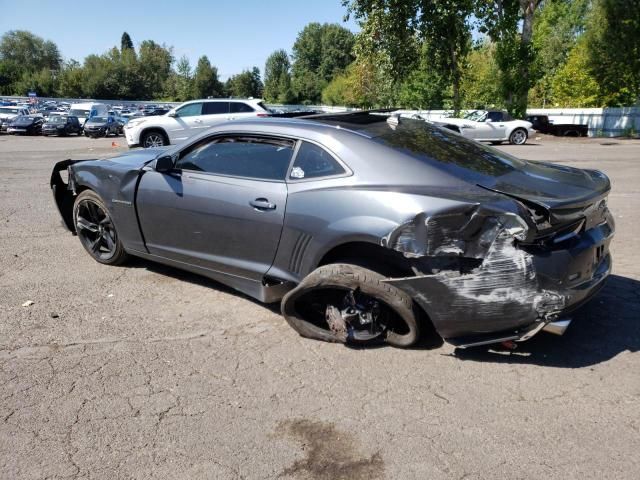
329, 283
518, 137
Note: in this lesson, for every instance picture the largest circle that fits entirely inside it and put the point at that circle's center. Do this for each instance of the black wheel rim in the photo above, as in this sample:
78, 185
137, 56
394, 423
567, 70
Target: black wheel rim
363, 317
95, 230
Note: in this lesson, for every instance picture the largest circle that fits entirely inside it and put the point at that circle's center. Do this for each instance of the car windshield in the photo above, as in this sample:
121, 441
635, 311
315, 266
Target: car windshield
441, 147
79, 113
9, 110
98, 119
57, 119
475, 116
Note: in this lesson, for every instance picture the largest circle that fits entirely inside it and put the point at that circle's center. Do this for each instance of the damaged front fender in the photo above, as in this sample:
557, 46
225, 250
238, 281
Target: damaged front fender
64, 193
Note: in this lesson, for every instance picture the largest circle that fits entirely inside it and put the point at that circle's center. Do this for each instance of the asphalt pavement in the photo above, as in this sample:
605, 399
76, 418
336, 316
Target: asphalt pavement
144, 371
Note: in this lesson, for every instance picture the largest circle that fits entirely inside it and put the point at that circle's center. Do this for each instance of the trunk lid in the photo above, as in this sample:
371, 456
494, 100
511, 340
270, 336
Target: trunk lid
554, 187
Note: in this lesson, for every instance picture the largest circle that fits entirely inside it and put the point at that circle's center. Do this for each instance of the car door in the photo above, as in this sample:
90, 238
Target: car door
188, 121
493, 127
222, 207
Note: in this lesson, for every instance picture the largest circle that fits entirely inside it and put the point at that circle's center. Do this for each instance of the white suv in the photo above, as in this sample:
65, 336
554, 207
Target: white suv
188, 119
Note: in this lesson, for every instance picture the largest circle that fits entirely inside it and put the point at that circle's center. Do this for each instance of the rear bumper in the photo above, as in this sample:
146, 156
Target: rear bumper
556, 324
515, 293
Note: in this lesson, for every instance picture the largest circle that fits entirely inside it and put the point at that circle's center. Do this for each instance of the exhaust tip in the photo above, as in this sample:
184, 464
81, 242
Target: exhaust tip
558, 327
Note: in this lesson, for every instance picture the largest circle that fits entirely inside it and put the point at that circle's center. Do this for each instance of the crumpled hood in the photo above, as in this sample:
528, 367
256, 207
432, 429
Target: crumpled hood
133, 159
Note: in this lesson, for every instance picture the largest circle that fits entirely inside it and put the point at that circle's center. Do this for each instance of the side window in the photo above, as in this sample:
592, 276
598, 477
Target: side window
506, 117
313, 162
215, 108
190, 110
239, 107
252, 157
495, 116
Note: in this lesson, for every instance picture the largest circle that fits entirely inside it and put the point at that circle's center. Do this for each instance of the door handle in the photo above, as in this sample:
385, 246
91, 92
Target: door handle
197, 121
262, 204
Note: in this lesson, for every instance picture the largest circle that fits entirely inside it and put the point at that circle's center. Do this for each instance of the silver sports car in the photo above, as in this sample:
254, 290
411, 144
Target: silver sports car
366, 226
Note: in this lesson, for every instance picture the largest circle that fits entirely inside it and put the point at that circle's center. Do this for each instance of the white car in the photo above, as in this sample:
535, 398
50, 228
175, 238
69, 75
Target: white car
495, 126
188, 119
8, 113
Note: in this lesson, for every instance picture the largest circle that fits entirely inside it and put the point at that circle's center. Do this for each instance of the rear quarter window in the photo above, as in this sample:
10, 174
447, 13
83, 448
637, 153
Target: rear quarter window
313, 161
240, 107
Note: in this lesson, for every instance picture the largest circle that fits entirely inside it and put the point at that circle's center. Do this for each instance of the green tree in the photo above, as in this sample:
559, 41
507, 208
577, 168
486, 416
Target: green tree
480, 80
24, 58
125, 42
205, 80
573, 85
555, 32
10, 73
155, 67
509, 23
430, 35
184, 87
613, 43
71, 80
423, 89
246, 84
277, 78
29, 51
320, 52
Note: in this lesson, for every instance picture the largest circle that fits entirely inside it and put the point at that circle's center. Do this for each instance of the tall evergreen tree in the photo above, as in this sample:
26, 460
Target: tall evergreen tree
205, 80
125, 42
277, 78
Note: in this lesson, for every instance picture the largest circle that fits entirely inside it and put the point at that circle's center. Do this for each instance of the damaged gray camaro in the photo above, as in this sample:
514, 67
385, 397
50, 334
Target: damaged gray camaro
365, 226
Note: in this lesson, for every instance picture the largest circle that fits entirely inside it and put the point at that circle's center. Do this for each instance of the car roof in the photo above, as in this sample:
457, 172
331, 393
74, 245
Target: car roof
248, 100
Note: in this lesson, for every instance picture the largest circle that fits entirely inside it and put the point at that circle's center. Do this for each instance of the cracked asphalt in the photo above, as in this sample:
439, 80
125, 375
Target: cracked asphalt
144, 371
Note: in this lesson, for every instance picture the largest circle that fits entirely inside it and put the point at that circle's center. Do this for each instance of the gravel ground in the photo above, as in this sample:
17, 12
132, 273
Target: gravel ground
144, 371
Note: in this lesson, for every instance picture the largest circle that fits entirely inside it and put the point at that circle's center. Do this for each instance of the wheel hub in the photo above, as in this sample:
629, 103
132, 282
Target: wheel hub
361, 315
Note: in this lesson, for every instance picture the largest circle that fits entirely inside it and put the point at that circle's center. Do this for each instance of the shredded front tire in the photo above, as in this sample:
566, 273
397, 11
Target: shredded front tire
350, 304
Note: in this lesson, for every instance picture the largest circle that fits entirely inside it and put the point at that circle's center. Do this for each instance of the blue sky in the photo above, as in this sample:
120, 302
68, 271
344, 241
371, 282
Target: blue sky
234, 34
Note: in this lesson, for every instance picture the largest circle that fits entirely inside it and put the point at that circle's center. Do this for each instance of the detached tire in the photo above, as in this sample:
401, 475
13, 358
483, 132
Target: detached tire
331, 282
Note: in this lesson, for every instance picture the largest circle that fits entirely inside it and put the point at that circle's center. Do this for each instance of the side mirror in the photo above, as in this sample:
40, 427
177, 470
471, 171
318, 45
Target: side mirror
173, 114
488, 120
164, 164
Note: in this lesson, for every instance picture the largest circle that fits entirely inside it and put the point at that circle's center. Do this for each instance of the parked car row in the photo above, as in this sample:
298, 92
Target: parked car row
63, 125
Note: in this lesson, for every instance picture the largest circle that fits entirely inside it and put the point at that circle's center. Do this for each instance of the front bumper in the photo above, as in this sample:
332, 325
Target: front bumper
95, 132
133, 140
516, 292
